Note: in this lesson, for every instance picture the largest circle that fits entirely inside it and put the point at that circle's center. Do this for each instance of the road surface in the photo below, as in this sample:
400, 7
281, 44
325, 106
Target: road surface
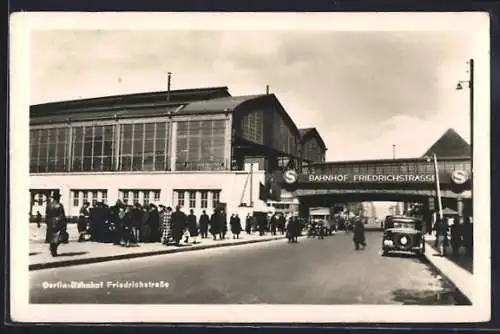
325, 271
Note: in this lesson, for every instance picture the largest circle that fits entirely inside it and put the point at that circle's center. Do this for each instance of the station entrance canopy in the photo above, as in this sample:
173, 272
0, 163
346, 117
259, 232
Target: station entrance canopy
400, 175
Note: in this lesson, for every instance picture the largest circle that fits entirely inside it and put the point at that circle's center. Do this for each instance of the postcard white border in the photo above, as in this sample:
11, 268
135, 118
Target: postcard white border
22, 24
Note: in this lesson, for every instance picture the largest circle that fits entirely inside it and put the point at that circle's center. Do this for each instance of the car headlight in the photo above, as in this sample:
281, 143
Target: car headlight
388, 243
403, 241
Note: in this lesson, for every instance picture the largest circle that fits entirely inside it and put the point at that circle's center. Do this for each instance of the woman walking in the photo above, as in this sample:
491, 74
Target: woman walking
56, 222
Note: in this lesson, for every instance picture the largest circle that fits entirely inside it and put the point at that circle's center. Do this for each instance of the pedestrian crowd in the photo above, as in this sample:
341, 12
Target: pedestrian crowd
130, 225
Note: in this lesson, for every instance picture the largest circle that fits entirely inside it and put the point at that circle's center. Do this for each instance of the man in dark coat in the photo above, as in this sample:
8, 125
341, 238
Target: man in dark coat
56, 222
441, 235
179, 224
262, 225
274, 224
137, 216
293, 229
248, 224
38, 218
204, 221
359, 233
235, 223
192, 227
154, 223
97, 217
467, 236
214, 225
281, 224
223, 224
456, 236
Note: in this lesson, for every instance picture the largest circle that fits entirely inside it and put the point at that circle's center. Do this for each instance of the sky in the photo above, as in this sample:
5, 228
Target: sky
363, 91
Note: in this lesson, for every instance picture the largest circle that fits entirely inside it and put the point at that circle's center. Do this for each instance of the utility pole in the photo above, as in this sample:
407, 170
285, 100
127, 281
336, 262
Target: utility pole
393, 151
169, 80
438, 187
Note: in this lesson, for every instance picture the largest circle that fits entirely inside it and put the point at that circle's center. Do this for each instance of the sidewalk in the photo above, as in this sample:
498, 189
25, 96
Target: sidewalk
75, 253
457, 270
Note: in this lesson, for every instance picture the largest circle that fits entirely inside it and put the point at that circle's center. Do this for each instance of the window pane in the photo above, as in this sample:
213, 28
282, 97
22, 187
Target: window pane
159, 162
127, 147
150, 130
107, 164
149, 146
96, 163
137, 163
77, 140
87, 163
160, 130
43, 150
138, 131
149, 164
126, 163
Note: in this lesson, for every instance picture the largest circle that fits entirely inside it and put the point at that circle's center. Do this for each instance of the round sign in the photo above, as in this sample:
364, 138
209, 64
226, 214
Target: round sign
290, 176
459, 176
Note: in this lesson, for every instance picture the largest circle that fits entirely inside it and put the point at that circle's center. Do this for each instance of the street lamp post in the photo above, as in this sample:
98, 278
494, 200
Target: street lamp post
470, 83
393, 151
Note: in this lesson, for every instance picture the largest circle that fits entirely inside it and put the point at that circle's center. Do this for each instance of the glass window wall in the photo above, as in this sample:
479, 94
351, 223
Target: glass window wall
200, 145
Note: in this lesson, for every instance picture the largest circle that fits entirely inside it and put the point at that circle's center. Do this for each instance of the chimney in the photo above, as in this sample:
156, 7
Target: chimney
168, 85
267, 89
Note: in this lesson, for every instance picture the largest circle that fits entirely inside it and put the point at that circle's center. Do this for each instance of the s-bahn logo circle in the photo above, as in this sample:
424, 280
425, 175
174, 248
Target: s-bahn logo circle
290, 176
459, 176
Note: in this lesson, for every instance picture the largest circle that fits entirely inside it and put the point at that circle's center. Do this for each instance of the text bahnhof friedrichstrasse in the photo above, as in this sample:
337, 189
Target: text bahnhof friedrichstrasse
370, 178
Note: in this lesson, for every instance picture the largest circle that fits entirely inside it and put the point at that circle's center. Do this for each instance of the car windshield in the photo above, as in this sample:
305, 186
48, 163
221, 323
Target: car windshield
404, 225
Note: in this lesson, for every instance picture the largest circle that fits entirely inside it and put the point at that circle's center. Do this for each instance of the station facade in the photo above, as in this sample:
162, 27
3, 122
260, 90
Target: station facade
196, 148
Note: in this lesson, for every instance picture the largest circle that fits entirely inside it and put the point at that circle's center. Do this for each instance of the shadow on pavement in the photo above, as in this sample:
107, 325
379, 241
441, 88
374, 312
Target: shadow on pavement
464, 262
449, 291
71, 254
34, 253
428, 297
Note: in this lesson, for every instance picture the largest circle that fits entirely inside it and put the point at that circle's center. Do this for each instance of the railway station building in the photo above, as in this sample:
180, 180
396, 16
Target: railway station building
196, 148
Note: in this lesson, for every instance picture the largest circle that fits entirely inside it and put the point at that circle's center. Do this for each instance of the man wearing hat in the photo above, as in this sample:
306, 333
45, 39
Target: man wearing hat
56, 222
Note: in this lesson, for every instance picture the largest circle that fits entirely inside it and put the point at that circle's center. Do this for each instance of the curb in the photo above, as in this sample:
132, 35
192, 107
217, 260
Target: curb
67, 263
460, 295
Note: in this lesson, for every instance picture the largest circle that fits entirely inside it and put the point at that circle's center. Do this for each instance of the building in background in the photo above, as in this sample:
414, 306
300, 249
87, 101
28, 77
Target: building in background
194, 148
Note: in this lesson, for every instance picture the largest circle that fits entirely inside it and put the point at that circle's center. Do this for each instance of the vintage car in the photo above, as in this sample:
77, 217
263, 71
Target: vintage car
403, 234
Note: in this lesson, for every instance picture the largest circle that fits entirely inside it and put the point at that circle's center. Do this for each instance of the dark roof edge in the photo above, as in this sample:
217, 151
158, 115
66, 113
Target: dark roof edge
111, 98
